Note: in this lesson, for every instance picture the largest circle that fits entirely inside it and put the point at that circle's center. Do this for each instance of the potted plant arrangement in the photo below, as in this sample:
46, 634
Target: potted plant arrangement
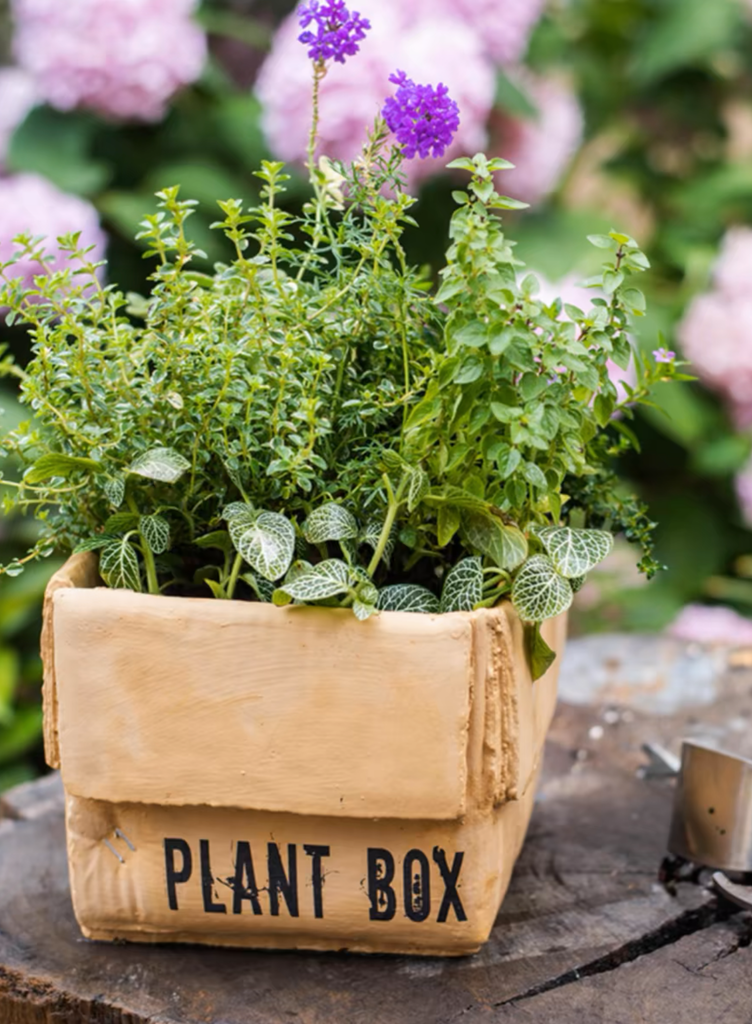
339, 516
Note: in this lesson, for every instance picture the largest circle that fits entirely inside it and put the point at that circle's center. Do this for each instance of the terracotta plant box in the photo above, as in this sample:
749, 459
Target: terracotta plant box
245, 775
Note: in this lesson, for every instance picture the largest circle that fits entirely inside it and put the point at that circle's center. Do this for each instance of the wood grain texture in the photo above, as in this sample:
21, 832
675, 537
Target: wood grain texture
586, 933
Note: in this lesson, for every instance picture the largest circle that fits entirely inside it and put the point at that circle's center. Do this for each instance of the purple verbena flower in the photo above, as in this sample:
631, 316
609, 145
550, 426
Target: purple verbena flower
663, 355
424, 119
337, 32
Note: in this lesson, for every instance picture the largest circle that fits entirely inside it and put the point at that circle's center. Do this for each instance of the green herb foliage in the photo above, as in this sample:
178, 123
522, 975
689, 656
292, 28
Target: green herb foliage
312, 423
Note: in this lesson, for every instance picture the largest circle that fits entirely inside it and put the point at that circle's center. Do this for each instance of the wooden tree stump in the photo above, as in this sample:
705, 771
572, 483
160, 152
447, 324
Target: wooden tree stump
586, 934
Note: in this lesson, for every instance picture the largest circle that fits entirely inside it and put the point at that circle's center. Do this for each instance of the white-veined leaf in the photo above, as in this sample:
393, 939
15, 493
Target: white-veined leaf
330, 522
506, 546
263, 589
236, 509
163, 464
327, 579
156, 532
363, 611
114, 491
266, 540
418, 486
366, 600
575, 552
539, 592
408, 597
463, 587
93, 543
118, 566
371, 535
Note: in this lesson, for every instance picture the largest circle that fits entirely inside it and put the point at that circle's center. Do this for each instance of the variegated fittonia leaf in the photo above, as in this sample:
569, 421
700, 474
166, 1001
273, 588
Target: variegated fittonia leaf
327, 579
330, 522
408, 597
575, 552
93, 544
156, 532
371, 535
506, 546
418, 486
164, 464
266, 540
237, 509
539, 592
463, 587
366, 601
114, 491
118, 566
263, 589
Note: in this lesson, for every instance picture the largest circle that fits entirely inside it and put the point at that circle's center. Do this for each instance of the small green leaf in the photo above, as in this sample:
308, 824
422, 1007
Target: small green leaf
216, 588
121, 522
219, 539
156, 532
539, 592
54, 464
575, 552
162, 464
540, 656
535, 476
330, 522
601, 241
447, 524
408, 597
506, 546
506, 413
119, 567
463, 586
327, 579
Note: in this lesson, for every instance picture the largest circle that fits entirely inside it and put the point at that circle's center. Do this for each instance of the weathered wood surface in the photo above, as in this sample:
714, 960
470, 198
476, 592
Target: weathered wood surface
586, 934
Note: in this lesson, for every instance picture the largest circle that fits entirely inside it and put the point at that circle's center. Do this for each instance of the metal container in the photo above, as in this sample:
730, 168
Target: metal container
712, 817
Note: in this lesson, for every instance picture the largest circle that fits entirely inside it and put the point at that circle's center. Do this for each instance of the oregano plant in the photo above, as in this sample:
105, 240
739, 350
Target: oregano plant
315, 422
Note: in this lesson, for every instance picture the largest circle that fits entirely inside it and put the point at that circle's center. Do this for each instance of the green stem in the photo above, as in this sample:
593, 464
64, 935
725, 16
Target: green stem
232, 583
395, 500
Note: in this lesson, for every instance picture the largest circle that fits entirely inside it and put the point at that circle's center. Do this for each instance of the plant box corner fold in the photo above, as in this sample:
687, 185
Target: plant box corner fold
246, 775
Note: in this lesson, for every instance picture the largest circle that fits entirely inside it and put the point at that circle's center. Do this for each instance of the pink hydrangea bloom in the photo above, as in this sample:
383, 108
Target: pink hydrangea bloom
716, 331
540, 148
123, 59
353, 95
703, 624
18, 95
29, 204
504, 26
571, 292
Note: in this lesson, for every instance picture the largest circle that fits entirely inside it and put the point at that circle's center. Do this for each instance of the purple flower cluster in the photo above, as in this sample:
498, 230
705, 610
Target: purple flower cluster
423, 119
337, 31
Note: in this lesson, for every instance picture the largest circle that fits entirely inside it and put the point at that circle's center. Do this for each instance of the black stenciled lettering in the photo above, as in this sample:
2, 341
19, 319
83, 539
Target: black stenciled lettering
244, 882
417, 885
207, 881
449, 877
317, 879
380, 892
172, 876
281, 882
